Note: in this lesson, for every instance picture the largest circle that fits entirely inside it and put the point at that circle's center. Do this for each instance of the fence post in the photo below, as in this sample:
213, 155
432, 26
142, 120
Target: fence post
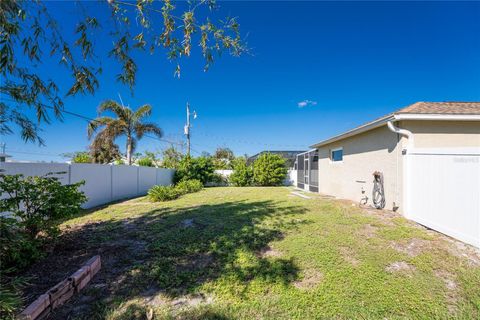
138, 180
111, 183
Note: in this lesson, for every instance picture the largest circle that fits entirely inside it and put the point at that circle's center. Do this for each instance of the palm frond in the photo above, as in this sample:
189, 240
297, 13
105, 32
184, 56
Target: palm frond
142, 128
113, 106
114, 129
143, 111
96, 123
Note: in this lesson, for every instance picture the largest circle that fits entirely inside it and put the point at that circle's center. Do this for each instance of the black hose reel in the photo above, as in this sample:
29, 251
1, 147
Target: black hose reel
378, 193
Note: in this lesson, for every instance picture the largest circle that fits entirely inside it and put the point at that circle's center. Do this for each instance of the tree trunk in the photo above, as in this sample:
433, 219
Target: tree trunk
129, 150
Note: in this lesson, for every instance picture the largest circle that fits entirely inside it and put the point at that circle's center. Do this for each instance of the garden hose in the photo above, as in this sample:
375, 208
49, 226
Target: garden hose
378, 194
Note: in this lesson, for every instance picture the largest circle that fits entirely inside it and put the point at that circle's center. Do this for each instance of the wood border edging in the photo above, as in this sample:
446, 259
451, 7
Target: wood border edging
62, 291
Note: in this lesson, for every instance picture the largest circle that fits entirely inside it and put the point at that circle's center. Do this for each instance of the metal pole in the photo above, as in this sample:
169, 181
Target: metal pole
187, 129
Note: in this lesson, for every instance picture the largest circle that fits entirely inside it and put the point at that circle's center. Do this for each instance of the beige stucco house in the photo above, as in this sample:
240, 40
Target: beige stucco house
435, 145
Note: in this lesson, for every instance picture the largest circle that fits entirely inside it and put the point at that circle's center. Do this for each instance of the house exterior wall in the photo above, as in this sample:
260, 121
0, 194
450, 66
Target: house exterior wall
444, 134
381, 150
375, 150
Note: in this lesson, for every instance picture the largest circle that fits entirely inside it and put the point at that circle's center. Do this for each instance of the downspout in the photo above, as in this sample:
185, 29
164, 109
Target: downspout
410, 145
403, 132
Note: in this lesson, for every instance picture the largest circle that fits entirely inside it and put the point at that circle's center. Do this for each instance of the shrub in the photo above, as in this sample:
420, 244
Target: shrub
17, 250
145, 162
222, 159
189, 186
217, 179
38, 201
82, 157
242, 174
171, 158
163, 193
200, 168
269, 170
10, 294
33, 204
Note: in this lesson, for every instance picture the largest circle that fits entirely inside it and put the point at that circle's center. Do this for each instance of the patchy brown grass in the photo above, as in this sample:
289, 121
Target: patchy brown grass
256, 253
309, 280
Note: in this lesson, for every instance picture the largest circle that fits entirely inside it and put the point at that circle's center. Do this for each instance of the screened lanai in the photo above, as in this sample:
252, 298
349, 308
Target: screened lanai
307, 170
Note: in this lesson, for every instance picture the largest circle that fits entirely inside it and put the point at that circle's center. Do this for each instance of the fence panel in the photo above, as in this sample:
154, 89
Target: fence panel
103, 183
443, 192
98, 182
147, 177
124, 182
37, 169
165, 177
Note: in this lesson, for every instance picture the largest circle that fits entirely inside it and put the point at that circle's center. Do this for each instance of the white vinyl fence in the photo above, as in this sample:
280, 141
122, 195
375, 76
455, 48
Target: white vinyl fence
443, 191
291, 179
103, 183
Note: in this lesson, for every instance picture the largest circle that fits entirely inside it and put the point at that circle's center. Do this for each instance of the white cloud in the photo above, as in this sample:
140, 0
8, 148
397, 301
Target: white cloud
306, 103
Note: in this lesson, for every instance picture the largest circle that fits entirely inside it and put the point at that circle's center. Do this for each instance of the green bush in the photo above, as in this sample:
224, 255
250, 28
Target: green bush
34, 205
269, 170
82, 157
201, 168
17, 249
217, 180
222, 159
37, 202
242, 174
10, 294
145, 162
163, 193
189, 186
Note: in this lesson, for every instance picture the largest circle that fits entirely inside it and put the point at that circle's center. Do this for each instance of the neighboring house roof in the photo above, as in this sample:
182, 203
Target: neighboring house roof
290, 156
442, 108
417, 111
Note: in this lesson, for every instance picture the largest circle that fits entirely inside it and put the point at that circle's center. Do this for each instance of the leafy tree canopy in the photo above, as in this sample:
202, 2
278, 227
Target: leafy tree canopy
242, 174
223, 158
30, 36
224, 153
171, 158
200, 168
269, 170
79, 157
104, 150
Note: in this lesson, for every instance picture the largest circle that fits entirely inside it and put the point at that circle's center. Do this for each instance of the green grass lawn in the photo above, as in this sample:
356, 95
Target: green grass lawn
261, 253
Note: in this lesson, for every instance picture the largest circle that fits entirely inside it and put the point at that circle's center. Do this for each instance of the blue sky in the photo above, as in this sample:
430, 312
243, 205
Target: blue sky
349, 62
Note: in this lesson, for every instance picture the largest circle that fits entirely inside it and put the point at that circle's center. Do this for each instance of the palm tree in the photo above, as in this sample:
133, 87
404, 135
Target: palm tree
127, 122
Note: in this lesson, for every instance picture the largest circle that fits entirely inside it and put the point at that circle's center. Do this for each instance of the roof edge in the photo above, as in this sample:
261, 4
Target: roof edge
363, 128
396, 117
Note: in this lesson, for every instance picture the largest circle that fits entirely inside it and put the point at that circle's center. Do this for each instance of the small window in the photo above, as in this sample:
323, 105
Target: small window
336, 155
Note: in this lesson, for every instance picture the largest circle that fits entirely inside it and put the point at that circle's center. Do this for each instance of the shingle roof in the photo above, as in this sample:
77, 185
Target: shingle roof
442, 108
459, 109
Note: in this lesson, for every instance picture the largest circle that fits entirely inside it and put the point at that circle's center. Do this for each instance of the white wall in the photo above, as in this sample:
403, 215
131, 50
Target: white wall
375, 150
291, 179
98, 182
224, 173
124, 182
36, 169
147, 177
443, 191
103, 183
165, 177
